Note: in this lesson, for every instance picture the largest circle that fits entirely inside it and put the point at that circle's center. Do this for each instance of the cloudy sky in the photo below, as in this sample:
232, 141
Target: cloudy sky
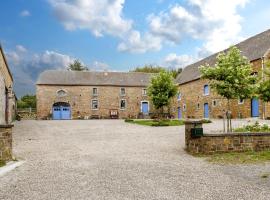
121, 34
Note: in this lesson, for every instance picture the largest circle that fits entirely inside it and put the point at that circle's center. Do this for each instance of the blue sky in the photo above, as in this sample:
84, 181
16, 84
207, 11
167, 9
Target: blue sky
121, 34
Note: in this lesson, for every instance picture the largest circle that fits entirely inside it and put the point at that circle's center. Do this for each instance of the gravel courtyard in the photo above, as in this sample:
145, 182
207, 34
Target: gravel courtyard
110, 159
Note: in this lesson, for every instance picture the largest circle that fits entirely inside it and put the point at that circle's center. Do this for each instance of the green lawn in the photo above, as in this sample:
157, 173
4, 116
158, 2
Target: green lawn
156, 122
250, 157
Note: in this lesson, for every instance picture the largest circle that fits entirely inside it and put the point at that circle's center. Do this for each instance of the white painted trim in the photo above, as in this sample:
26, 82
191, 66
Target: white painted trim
10, 166
122, 95
143, 92
95, 95
125, 104
92, 104
148, 105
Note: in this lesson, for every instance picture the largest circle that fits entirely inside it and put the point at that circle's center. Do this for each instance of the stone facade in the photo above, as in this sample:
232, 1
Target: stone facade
228, 142
6, 142
193, 99
80, 100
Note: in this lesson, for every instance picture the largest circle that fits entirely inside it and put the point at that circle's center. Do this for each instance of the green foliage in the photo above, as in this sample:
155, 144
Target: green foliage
264, 86
2, 163
27, 101
256, 127
77, 66
156, 122
162, 88
231, 77
157, 69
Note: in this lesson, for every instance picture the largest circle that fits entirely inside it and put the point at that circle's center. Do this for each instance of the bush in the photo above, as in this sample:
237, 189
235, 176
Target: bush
206, 121
256, 127
129, 120
2, 163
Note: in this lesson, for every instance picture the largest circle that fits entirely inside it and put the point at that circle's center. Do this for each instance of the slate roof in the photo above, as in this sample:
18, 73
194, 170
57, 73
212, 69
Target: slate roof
64, 77
5, 60
253, 48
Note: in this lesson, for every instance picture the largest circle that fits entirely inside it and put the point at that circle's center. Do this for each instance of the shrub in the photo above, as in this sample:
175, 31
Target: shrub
256, 127
129, 120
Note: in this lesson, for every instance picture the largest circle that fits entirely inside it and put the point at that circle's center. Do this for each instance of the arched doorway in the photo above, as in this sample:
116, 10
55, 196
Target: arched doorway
61, 110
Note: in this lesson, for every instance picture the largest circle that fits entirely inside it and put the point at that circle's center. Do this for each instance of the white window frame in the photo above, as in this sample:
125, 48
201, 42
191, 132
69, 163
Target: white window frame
148, 105
239, 101
125, 104
144, 91
206, 94
179, 96
93, 91
121, 91
213, 103
92, 104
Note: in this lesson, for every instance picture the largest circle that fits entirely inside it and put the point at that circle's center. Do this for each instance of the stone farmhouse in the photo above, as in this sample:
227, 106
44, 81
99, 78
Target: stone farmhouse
86, 95
197, 100
7, 108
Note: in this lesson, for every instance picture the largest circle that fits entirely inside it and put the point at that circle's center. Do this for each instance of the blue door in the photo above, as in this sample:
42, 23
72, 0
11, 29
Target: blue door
179, 113
206, 111
254, 107
145, 107
61, 112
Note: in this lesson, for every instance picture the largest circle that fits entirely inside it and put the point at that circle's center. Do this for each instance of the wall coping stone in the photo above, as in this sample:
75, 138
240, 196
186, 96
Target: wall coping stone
6, 125
193, 121
238, 134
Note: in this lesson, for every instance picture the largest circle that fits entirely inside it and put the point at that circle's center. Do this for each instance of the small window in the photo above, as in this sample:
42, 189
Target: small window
94, 104
144, 92
198, 106
123, 104
206, 90
61, 93
184, 107
178, 96
122, 91
95, 91
214, 103
241, 101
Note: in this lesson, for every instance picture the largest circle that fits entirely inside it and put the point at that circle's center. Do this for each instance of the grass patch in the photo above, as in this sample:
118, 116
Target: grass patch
256, 127
2, 163
156, 122
250, 157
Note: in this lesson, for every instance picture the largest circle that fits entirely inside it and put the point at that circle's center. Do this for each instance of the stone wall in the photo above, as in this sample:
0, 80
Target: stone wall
79, 98
227, 142
6, 142
193, 99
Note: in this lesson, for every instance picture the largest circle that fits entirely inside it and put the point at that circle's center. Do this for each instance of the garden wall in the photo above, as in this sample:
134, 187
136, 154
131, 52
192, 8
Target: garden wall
6, 142
227, 142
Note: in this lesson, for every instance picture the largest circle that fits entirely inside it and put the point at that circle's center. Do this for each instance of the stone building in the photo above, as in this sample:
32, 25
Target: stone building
7, 108
197, 100
84, 95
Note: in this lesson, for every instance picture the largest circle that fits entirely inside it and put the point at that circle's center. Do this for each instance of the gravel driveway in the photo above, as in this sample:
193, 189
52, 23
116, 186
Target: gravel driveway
109, 159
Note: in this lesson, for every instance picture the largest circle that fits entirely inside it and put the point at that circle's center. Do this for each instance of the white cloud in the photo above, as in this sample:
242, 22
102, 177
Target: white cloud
102, 17
178, 61
25, 13
26, 66
99, 66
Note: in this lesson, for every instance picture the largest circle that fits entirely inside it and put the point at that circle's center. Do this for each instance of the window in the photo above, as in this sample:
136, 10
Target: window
184, 107
94, 104
61, 93
178, 96
214, 103
144, 92
123, 104
198, 106
95, 91
206, 90
241, 101
122, 91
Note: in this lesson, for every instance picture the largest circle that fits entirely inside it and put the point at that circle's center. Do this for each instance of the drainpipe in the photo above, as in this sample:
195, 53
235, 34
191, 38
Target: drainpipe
263, 78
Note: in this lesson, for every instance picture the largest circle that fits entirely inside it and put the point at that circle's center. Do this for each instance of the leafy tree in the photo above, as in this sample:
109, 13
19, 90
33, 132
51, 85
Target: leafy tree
264, 85
162, 88
27, 101
231, 77
157, 69
77, 66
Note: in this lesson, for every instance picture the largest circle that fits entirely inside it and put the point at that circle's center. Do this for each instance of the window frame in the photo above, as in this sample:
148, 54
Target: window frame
179, 96
144, 93
121, 108
124, 89
204, 90
241, 103
92, 104
214, 105
184, 107
95, 94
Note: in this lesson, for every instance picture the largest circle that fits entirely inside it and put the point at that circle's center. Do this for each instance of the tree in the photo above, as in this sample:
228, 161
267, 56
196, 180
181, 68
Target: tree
157, 69
27, 101
264, 85
231, 77
77, 66
162, 88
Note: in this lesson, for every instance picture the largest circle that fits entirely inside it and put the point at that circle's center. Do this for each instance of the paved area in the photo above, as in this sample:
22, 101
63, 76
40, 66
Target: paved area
114, 160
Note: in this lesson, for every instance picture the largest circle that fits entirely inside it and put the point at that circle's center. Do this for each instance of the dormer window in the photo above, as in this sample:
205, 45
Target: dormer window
95, 92
61, 93
206, 89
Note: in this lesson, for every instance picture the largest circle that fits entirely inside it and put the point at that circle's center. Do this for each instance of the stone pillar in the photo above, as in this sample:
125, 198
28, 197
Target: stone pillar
189, 124
6, 142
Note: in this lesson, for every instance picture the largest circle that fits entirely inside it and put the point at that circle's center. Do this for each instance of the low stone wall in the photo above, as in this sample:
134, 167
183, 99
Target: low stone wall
6, 142
227, 142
